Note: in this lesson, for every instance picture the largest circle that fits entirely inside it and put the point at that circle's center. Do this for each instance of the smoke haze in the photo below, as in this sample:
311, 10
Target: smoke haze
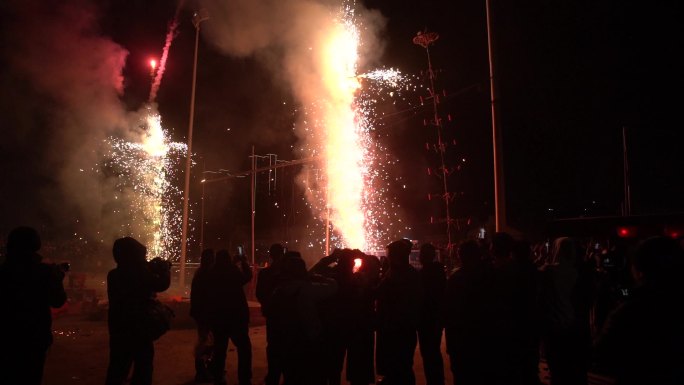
62, 84
292, 39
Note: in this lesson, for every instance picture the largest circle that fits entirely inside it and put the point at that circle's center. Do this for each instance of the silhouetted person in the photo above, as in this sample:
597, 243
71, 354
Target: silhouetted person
502, 300
28, 289
361, 348
526, 317
229, 315
295, 324
643, 339
467, 316
433, 280
565, 307
130, 286
347, 316
399, 297
336, 313
200, 311
266, 283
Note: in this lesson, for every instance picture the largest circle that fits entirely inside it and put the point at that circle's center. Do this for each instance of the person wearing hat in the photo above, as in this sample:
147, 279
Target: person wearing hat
28, 289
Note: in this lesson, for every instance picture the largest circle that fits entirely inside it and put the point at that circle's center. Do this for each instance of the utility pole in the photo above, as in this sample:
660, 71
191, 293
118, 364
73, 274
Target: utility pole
197, 19
627, 206
253, 184
201, 240
499, 191
252, 172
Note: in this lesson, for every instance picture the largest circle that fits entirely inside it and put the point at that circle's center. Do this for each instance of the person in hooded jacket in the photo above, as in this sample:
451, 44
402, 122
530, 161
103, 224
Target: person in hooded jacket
28, 289
130, 287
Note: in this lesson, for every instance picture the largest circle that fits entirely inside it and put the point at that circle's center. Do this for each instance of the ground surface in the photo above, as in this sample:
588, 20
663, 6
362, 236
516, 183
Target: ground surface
80, 352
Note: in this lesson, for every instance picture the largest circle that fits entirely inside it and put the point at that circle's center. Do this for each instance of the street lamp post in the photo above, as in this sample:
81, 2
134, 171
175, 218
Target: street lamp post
197, 19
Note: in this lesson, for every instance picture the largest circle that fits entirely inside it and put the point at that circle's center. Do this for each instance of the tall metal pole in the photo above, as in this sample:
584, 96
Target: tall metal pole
327, 223
201, 240
197, 18
499, 191
253, 202
627, 209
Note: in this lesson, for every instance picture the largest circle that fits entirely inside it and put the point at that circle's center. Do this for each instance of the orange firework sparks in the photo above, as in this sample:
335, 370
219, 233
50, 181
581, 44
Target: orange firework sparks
344, 145
350, 185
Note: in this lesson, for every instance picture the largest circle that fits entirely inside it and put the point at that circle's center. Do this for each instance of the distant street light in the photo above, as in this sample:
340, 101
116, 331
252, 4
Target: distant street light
197, 19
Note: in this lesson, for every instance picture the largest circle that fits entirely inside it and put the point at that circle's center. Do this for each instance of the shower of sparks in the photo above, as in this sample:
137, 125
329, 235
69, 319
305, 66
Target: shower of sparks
351, 185
144, 172
344, 140
390, 77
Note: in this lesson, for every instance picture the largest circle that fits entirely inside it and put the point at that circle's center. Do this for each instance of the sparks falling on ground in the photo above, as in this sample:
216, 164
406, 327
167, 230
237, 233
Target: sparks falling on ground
350, 188
144, 171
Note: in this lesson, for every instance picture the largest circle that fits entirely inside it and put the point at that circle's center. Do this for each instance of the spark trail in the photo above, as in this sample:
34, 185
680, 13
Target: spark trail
171, 34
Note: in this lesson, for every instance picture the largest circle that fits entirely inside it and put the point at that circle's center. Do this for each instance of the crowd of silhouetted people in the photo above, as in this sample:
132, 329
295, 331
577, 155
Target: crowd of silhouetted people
499, 313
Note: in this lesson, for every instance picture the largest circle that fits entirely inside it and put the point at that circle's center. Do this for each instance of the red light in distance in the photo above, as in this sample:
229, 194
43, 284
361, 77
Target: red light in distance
626, 232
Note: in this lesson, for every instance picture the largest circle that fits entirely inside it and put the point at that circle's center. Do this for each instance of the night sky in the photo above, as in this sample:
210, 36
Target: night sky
571, 76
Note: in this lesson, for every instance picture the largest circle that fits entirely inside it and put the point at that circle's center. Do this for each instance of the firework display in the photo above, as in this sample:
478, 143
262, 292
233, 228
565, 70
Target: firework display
144, 172
349, 186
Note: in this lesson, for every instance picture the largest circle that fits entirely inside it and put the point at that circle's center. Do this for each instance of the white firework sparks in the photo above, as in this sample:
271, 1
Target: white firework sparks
144, 172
